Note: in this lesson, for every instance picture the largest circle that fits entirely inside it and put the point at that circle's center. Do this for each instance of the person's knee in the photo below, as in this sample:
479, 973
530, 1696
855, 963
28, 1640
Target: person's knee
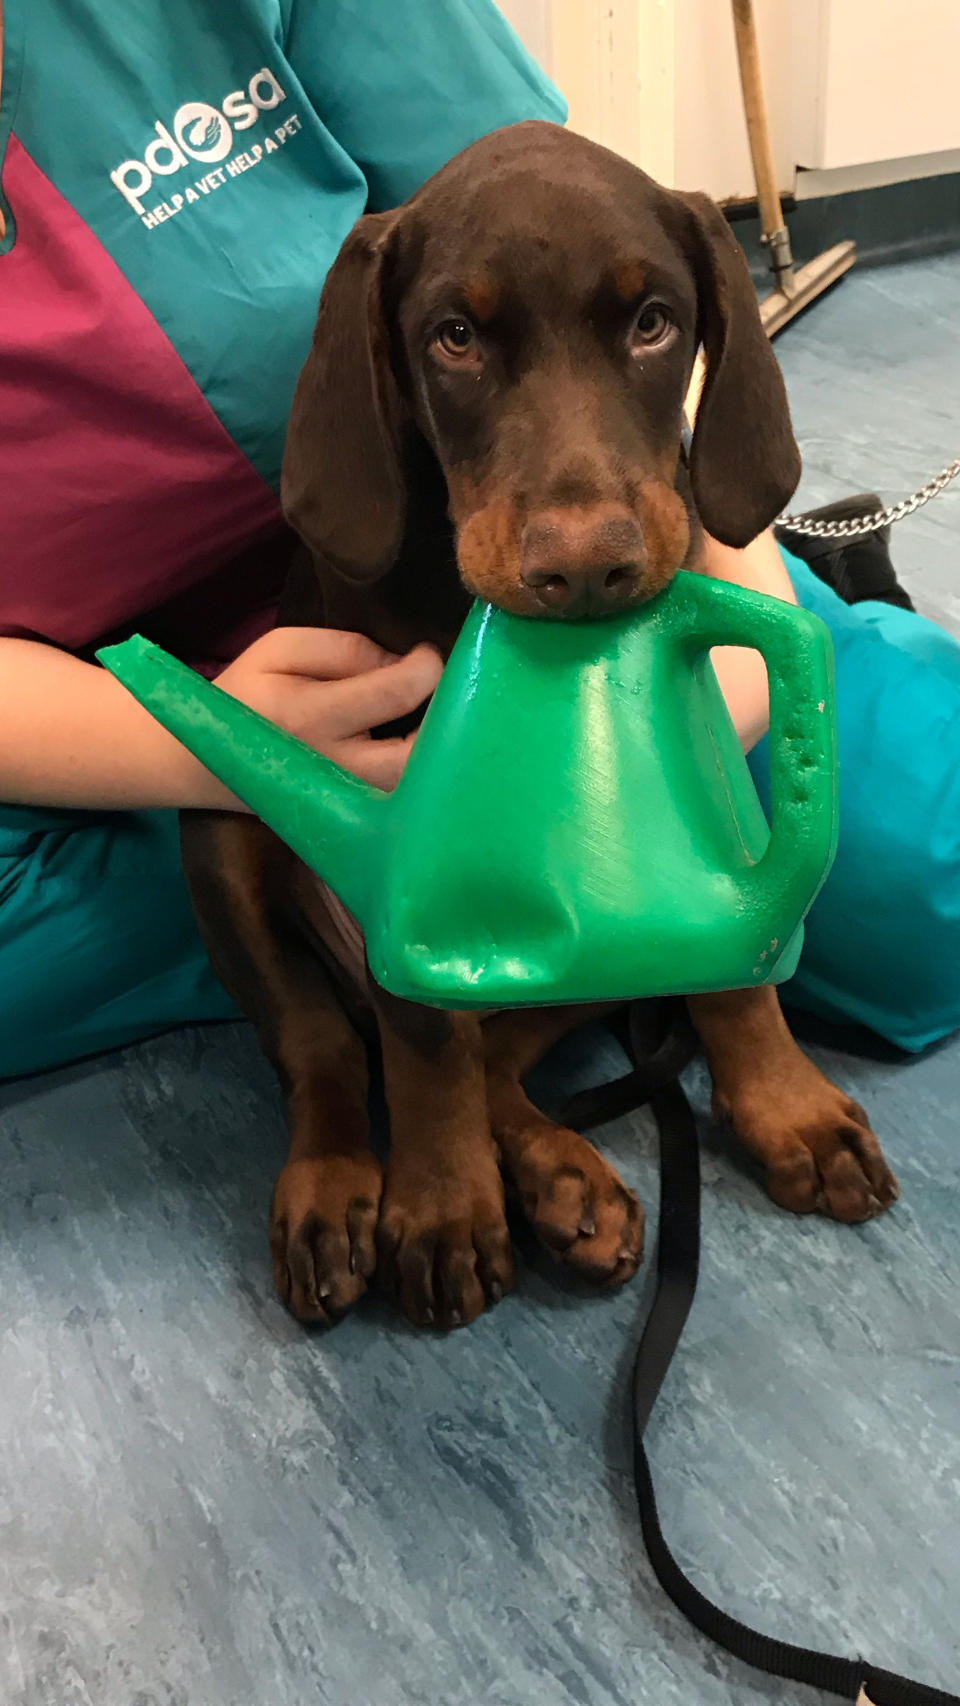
98, 945
882, 945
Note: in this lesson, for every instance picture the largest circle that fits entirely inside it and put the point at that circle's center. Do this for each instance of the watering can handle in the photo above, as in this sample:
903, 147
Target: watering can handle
797, 650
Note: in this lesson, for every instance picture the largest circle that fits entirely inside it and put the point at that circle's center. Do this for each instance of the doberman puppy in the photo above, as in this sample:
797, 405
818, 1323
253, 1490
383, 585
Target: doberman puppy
493, 406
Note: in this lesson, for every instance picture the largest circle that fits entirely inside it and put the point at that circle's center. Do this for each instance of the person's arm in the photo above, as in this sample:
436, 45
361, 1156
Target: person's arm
742, 673
71, 735
403, 85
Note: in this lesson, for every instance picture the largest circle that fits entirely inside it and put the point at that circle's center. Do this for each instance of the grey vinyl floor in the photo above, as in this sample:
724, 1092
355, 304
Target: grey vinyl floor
203, 1505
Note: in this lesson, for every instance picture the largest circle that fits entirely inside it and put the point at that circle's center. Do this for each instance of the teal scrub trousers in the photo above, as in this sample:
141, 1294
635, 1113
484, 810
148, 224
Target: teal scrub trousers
98, 947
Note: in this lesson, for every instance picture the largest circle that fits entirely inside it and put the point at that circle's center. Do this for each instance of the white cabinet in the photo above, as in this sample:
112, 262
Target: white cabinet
859, 90
889, 80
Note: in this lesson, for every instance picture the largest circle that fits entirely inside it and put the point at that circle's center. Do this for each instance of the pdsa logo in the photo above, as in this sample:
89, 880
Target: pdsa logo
203, 130
197, 131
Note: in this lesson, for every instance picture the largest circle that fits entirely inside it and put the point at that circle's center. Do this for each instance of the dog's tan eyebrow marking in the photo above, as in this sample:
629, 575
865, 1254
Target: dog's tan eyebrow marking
481, 297
629, 280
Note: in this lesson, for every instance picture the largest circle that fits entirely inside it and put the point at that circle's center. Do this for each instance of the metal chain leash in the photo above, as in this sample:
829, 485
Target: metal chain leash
855, 526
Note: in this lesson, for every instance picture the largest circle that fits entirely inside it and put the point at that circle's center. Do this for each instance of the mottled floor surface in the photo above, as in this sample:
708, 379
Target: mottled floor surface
201, 1504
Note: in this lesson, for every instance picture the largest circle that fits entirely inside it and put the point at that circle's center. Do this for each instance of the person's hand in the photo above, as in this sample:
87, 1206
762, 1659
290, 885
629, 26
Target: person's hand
330, 689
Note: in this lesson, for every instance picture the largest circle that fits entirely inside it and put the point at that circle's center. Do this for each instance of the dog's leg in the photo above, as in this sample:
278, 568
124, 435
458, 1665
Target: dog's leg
579, 1207
815, 1143
243, 883
442, 1244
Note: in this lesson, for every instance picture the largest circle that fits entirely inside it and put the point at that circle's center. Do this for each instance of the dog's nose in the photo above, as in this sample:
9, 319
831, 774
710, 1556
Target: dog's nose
582, 562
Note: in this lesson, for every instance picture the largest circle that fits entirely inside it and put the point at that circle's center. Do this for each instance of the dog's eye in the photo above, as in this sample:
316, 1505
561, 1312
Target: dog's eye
650, 326
456, 338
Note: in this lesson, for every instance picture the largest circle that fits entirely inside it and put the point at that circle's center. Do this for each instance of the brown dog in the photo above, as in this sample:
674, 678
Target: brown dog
493, 405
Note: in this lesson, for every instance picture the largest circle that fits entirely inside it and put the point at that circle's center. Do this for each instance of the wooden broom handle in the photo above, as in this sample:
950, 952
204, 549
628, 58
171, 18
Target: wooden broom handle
754, 106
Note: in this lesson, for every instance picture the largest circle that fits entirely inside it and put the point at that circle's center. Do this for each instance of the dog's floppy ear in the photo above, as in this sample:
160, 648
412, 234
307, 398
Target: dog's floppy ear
343, 487
744, 465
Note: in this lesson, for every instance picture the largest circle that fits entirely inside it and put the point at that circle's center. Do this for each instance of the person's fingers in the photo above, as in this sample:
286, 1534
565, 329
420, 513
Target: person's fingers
379, 762
341, 709
325, 654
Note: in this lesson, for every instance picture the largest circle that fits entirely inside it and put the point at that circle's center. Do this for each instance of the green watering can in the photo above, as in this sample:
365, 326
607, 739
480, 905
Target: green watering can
577, 821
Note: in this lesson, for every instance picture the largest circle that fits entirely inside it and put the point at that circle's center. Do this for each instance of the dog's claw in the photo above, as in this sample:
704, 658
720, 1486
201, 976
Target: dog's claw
313, 1221
580, 1208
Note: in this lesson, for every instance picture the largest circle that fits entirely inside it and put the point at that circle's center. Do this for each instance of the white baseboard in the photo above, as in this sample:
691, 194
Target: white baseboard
873, 174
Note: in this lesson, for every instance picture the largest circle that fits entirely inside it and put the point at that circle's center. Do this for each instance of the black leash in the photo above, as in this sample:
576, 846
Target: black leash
660, 1055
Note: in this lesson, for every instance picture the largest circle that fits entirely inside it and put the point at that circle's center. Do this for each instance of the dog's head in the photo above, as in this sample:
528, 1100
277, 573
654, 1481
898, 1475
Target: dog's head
528, 323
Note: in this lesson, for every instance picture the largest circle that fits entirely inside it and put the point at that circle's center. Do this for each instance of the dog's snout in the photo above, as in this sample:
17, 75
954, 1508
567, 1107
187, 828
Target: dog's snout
582, 561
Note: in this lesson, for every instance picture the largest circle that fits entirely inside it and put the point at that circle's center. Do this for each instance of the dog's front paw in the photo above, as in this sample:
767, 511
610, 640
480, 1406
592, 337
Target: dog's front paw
443, 1249
816, 1144
579, 1207
322, 1231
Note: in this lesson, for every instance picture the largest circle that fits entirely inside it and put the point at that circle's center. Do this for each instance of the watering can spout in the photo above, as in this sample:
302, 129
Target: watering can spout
334, 822
576, 822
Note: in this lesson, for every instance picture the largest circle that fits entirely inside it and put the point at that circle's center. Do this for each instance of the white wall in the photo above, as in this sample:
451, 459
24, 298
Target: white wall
711, 150
531, 20
858, 91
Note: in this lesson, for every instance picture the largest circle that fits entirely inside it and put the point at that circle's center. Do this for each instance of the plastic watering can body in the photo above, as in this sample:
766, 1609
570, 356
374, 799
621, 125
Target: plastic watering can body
577, 821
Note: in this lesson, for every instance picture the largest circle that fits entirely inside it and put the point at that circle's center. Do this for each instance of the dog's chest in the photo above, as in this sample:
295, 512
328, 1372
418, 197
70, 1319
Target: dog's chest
340, 934
342, 938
